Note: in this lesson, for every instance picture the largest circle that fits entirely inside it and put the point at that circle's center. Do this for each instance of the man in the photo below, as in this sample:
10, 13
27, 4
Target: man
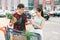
21, 19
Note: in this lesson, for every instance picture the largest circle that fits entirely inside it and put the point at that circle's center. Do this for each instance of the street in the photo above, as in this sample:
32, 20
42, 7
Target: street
51, 29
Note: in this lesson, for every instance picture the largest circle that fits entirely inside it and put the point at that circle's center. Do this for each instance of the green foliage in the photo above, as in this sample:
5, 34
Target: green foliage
9, 16
28, 34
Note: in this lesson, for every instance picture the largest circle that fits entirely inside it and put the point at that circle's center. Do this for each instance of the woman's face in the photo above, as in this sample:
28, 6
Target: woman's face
38, 13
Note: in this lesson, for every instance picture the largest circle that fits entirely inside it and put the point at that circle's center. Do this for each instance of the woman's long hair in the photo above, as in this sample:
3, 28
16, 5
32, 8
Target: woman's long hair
40, 10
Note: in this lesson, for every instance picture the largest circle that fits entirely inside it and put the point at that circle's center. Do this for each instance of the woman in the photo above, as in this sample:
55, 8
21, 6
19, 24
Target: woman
38, 22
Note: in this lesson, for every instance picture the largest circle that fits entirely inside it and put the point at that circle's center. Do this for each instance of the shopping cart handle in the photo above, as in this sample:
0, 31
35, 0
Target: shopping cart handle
9, 30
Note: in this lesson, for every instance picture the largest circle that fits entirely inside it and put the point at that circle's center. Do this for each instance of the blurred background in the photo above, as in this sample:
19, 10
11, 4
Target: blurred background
30, 4
51, 9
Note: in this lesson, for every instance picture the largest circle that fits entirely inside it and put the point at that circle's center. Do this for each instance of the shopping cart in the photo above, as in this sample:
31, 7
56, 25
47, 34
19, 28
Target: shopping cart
13, 34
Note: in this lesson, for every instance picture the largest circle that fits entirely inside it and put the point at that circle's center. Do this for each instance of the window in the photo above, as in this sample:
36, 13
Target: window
30, 4
48, 3
30, 8
57, 2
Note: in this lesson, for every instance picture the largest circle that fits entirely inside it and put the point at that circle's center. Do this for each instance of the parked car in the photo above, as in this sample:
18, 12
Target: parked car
11, 11
52, 13
2, 13
55, 13
28, 14
58, 13
46, 15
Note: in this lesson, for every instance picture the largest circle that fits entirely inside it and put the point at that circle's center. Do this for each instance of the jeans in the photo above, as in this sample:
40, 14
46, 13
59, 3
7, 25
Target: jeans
6, 37
39, 36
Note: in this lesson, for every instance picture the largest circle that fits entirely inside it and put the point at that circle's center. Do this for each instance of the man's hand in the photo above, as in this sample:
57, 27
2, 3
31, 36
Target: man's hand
11, 22
28, 22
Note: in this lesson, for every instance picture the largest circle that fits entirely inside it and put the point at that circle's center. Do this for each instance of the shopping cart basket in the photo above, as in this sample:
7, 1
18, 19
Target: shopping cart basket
13, 34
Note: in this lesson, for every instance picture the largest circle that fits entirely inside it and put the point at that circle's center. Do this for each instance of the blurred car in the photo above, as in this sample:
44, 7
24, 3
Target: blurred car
46, 15
2, 13
32, 12
58, 12
9, 11
12, 11
55, 13
28, 14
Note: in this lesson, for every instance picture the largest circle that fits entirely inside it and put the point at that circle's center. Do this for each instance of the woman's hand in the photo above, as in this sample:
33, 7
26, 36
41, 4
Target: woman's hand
40, 27
32, 23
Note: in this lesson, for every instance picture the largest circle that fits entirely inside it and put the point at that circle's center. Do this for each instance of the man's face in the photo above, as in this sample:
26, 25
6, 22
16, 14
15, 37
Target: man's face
21, 10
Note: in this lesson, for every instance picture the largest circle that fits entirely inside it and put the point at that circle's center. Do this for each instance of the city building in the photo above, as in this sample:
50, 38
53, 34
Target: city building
51, 4
48, 4
9, 4
29, 4
12, 4
0, 2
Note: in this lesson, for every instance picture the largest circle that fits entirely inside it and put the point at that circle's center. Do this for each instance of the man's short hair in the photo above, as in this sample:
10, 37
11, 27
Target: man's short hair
20, 6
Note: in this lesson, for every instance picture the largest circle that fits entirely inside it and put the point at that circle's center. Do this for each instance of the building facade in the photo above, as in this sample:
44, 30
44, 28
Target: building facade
12, 4
29, 4
9, 4
48, 4
51, 4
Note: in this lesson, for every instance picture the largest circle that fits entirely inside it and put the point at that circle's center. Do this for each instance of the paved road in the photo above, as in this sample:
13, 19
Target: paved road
51, 29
